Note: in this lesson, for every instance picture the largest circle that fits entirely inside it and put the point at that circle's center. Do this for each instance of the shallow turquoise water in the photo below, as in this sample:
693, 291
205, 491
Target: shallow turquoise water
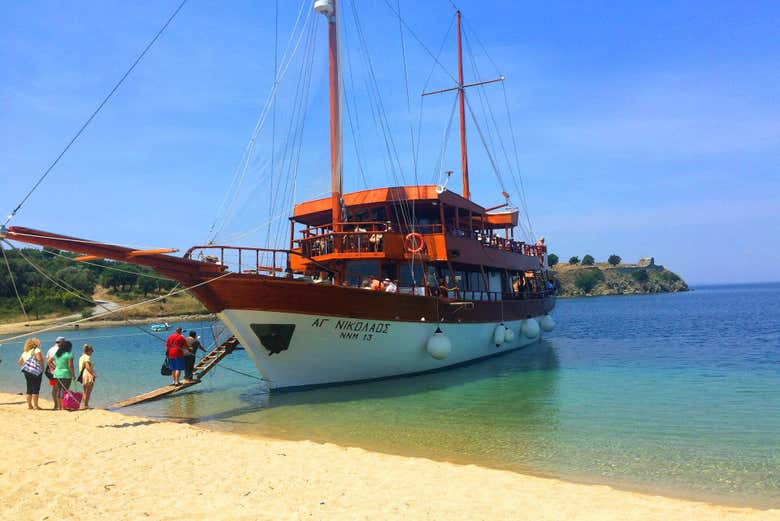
675, 394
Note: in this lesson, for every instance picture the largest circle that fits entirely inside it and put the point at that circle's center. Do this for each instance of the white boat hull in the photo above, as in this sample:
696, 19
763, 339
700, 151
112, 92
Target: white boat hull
327, 350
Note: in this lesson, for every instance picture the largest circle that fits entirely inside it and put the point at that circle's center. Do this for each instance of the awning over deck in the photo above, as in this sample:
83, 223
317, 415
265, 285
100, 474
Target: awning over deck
318, 211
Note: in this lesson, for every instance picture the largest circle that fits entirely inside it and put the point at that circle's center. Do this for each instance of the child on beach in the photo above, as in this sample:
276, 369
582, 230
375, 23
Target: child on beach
87, 374
31, 363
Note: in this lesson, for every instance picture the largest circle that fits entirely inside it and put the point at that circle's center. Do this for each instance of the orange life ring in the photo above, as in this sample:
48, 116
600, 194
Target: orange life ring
413, 238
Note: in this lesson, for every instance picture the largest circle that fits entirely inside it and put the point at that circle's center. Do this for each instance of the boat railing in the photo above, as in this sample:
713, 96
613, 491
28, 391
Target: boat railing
350, 242
501, 243
242, 259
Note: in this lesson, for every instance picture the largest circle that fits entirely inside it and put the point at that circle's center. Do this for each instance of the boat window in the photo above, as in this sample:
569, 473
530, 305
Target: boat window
406, 278
433, 275
357, 271
494, 284
476, 281
389, 271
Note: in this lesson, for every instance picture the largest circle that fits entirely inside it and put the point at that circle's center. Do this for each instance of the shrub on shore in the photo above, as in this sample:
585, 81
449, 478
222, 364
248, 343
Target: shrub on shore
586, 280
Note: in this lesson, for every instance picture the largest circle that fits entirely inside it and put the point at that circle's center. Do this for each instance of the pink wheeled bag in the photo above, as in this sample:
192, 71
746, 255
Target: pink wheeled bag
71, 399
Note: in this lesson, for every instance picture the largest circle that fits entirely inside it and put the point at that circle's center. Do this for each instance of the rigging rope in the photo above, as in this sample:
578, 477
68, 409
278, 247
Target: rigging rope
435, 59
226, 207
96, 111
484, 143
438, 172
380, 117
294, 142
73, 291
446, 137
273, 113
13, 283
105, 267
100, 315
517, 179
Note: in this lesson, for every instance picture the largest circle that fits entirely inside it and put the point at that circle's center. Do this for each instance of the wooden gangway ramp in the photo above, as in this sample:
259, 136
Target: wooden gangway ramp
202, 368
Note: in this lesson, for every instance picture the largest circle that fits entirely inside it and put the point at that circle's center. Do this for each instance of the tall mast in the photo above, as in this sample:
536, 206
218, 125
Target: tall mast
329, 9
464, 158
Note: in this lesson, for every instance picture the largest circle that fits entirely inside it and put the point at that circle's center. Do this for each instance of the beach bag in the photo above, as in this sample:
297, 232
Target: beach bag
165, 370
31, 366
71, 399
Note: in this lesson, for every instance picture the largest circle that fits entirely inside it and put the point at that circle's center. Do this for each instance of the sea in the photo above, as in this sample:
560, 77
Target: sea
672, 394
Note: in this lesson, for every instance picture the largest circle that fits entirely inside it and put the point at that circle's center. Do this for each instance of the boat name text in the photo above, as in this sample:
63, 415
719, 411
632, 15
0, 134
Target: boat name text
349, 328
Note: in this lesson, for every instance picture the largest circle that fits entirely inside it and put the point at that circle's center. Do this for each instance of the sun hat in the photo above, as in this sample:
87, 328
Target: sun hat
59, 339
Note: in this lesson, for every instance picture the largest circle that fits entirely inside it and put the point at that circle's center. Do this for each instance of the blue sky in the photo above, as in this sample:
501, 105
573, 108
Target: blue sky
643, 128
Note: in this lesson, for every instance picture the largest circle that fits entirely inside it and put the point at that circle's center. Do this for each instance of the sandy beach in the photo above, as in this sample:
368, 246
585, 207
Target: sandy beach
104, 465
17, 328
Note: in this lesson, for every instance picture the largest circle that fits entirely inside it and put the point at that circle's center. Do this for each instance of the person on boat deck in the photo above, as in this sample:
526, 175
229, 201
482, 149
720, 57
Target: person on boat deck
366, 284
50, 364
31, 363
518, 286
376, 285
63, 371
193, 344
87, 374
444, 291
540, 242
174, 351
376, 241
390, 286
322, 278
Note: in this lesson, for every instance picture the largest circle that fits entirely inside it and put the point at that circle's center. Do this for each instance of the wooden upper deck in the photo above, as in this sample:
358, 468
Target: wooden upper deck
453, 229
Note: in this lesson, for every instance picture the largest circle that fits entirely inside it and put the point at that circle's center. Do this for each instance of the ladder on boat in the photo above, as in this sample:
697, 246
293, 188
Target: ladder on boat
201, 369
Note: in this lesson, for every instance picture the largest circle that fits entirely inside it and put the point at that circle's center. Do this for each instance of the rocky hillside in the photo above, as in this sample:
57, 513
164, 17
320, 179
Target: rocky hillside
623, 279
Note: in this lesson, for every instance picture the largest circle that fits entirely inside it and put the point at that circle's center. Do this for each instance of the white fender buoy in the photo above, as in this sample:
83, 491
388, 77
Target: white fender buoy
499, 335
530, 328
547, 323
509, 336
438, 346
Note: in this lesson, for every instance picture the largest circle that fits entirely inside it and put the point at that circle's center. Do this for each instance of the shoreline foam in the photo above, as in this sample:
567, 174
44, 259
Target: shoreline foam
100, 464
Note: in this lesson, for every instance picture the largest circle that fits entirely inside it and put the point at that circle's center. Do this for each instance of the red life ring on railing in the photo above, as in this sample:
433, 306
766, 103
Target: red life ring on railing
414, 242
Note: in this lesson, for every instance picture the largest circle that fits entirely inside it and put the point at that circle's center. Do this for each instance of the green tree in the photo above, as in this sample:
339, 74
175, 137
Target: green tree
640, 276
588, 260
586, 280
39, 301
574, 260
614, 259
552, 260
147, 285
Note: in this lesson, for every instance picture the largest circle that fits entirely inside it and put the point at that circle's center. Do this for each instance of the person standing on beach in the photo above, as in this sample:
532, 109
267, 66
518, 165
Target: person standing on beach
63, 371
50, 367
174, 351
87, 374
31, 363
193, 344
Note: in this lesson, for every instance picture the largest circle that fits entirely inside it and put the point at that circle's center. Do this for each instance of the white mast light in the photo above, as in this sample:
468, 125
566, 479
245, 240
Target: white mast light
324, 7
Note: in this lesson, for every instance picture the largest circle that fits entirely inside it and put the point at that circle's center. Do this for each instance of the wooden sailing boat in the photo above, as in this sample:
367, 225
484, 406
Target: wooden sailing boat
465, 288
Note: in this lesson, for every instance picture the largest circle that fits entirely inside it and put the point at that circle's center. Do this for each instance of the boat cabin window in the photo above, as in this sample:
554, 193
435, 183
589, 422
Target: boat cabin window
357, 271
411, 279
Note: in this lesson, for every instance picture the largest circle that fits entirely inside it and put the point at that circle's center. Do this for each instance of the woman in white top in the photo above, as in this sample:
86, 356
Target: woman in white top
31, 363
